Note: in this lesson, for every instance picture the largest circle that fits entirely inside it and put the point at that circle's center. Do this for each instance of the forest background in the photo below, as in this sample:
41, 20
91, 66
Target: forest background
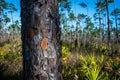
90, 34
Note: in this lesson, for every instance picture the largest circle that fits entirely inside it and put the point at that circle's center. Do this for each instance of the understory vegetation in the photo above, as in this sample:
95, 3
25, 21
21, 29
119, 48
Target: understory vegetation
87, 62
90, 42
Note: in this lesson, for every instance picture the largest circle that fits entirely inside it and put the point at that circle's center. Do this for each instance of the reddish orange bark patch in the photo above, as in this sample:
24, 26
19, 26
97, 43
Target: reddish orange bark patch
44, 44
30, 33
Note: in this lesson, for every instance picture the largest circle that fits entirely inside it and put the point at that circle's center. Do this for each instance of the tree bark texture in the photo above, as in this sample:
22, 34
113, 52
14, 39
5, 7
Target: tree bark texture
41, 43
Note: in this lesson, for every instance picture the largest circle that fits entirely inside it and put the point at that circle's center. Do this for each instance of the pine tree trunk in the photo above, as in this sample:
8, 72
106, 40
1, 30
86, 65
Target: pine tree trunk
41, 43
108, 19
116, 24
77, 38
100, 25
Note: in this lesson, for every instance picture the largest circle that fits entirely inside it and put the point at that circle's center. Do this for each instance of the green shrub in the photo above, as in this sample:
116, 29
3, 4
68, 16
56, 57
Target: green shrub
91, 67
4, 50
65, 53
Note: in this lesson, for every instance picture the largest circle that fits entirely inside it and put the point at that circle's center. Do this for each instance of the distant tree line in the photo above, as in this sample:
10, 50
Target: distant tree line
104, 26
7, 24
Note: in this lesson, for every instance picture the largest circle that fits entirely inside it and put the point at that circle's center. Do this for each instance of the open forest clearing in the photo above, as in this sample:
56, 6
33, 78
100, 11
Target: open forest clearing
54, 41
91, 61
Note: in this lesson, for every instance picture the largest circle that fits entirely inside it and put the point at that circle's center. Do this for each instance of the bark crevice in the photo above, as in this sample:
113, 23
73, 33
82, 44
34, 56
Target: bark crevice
41, 43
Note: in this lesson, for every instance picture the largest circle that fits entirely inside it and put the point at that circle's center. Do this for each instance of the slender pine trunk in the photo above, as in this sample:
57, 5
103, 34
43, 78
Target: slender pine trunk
116, 24
108, 23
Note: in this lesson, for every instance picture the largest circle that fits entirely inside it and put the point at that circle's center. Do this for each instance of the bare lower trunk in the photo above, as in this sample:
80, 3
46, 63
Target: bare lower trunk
41, 40
100, 25
108, 23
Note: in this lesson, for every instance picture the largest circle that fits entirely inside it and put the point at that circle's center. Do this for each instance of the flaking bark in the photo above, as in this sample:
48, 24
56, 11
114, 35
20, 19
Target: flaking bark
41, 43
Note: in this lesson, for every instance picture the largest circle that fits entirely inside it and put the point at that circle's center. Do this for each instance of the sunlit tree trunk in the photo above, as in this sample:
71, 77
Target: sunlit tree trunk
100, 25
41, 43
103, 27
77, 36
116, 24
108, 23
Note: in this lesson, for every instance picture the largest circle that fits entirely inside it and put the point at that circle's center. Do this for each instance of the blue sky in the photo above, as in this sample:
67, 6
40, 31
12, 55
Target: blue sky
16, 15
91, 6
